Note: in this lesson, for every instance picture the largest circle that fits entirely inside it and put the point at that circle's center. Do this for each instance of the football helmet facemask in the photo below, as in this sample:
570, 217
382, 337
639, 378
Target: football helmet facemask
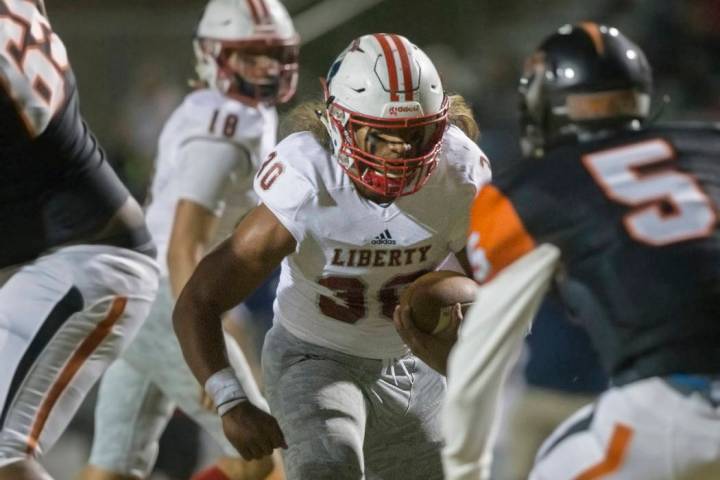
386, 114
248, 50
582, 79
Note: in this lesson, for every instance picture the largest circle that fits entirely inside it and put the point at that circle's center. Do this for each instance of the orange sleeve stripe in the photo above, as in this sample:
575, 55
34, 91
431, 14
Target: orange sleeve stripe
614, 457
86, 348
502, 235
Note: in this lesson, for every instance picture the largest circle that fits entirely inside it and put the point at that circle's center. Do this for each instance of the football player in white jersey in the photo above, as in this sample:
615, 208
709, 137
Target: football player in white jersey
77, 268
208, 153
374, 193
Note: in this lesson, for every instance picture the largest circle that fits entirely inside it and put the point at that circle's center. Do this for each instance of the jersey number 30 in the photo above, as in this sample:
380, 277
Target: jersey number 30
668, 206
348, 302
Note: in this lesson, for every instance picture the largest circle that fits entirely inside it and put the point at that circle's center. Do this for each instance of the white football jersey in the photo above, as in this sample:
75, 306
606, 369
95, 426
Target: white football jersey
208, 152
353, 256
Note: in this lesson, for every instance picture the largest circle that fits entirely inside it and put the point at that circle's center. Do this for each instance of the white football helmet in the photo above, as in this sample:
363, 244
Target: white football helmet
384, 82
248, 49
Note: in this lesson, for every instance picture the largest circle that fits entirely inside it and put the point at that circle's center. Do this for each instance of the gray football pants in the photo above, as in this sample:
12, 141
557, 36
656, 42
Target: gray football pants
347, 417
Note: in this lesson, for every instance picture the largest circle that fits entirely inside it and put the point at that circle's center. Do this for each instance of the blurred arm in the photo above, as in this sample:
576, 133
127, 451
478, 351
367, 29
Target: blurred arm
224, 278
489, 343
192, 231
202, 179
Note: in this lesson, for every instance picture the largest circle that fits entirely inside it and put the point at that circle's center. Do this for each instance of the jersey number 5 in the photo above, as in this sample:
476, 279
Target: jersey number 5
668, 206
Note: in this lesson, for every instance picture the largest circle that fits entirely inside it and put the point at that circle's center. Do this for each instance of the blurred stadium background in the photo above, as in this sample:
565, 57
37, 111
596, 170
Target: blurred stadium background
133, 59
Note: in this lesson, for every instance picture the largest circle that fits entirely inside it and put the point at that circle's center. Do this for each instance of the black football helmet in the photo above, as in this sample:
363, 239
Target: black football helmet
584, 78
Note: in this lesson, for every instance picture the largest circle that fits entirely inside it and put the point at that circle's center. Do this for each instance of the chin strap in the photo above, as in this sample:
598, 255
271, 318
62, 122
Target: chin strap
389, 186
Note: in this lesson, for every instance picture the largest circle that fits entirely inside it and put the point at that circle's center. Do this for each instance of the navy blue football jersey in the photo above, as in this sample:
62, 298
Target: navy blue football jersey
635, 217
56, 187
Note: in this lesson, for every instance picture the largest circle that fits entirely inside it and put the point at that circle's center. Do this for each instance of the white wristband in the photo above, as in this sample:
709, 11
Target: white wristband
225, 389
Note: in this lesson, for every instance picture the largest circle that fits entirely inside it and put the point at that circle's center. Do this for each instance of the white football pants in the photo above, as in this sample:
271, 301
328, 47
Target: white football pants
64, 318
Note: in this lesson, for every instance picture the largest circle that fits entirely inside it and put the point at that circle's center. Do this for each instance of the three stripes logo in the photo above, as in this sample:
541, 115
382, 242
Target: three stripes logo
383, 239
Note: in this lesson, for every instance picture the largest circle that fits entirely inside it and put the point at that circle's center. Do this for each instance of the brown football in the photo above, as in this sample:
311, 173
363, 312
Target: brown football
432, 296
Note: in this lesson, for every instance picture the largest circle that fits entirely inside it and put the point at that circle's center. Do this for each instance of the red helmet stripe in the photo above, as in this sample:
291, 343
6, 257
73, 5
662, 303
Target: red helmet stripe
392, 68
264, 11
405, 62
253, 11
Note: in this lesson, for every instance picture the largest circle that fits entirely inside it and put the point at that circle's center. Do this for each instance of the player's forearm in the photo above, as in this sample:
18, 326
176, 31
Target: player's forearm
181, 265
221, 280
489, 345
198, 327
193, 228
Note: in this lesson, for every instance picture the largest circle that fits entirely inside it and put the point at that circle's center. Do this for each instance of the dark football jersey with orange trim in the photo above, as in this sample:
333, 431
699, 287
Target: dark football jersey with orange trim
635, 217
56, 186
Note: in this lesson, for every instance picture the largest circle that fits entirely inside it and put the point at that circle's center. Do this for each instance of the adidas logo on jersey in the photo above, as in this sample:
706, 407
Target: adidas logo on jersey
383, 239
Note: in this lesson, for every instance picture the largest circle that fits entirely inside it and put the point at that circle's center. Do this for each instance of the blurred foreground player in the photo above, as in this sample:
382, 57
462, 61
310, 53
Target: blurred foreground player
371, 193
562, 374
77, 275
208, 154
626, 213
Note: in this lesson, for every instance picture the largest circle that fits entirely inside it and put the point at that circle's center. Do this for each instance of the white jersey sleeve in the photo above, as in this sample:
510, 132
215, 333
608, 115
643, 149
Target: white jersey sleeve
285, 188
471, 170
205, 172
488, 345
216, 143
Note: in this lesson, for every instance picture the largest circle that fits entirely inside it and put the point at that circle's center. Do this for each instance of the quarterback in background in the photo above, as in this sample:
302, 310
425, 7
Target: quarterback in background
636, 260
370, 193
208, 153
77, 274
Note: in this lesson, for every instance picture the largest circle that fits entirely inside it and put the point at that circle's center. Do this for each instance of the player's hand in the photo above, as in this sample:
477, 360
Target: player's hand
431, 349
254, 433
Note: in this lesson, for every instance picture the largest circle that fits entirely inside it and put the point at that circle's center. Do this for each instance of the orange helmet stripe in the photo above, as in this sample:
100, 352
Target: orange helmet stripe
391, 66
593, 32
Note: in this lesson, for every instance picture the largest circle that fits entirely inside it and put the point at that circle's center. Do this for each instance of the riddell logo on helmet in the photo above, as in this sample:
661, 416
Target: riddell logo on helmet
401, 109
